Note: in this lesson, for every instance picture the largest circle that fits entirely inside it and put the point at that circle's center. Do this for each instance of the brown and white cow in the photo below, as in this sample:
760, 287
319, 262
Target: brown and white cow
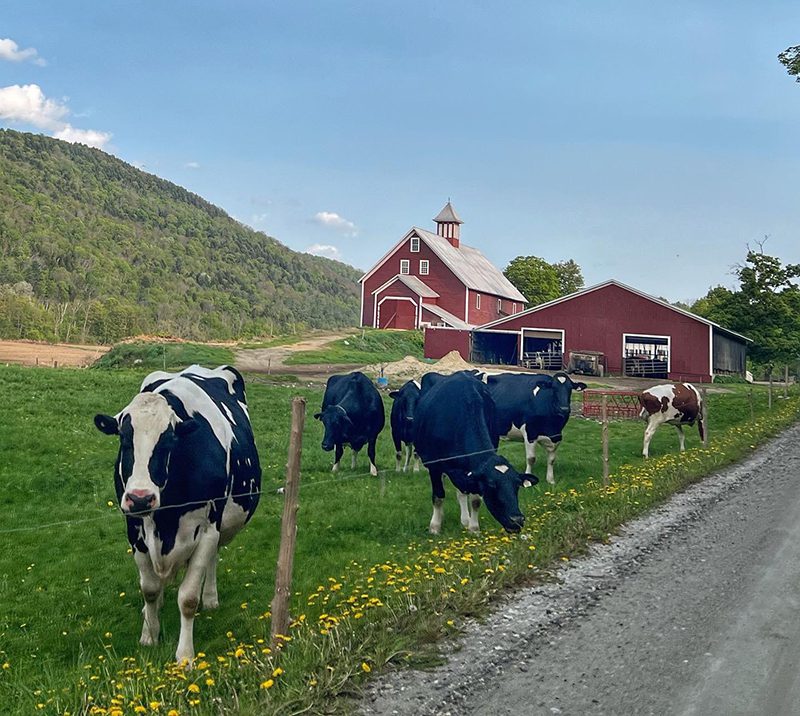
679, 404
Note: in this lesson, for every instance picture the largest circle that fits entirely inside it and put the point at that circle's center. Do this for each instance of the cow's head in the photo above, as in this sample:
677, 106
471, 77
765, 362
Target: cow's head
337, 426
148, 432
408, 396
560, 394
498, 484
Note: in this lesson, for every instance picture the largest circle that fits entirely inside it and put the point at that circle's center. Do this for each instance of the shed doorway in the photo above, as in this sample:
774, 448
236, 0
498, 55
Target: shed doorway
542, 349
495, 347
645, 356
397, 313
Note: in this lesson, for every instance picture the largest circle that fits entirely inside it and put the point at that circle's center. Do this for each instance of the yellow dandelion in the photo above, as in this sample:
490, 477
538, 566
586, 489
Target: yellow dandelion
268, 684
365, 667
277, 671
193, 689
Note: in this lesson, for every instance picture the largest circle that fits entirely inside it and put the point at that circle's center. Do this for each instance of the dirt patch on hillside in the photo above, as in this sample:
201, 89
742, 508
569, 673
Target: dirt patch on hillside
49, 354
411, 368
272, 360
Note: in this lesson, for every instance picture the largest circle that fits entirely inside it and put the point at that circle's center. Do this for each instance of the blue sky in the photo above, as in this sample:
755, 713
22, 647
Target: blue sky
649, 143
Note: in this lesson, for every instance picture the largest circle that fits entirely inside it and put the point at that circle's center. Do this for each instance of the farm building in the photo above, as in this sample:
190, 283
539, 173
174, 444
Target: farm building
607, 328
429, 279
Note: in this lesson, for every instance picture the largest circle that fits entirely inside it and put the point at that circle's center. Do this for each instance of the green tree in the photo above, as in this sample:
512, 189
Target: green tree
535, 279
570, 278
790, 59
766, 308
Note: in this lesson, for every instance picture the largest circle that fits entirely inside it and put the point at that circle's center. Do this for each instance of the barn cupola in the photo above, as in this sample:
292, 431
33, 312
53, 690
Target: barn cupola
448, 225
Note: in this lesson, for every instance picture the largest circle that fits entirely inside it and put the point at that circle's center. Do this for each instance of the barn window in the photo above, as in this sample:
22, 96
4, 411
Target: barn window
414, 244
499, 305
405, 266
423, 267
477, 300
513, 308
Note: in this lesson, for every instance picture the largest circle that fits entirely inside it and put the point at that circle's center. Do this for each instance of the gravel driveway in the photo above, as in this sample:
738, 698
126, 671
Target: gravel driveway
694, 609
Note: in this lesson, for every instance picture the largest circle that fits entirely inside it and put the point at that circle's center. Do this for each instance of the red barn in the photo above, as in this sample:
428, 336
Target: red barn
630, 332
429, 279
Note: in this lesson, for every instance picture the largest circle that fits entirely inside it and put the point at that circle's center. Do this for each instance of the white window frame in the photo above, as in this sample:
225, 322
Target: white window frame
477, 301
405, 267
625, 336
499, 305
414, 245
424, 267
513, 308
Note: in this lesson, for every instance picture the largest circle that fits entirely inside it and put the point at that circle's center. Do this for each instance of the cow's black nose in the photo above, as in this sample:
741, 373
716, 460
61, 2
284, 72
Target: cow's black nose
516, 523
139, 501
327, 446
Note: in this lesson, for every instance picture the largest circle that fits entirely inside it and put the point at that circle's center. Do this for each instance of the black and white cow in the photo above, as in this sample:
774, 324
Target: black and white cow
453, 437
187, 479
352, 413
402, 421
534, 407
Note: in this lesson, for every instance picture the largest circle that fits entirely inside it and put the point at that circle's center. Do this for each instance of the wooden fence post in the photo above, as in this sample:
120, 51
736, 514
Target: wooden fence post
752, 411
769, 399
283, 575
704, 415
786, 381
604, 410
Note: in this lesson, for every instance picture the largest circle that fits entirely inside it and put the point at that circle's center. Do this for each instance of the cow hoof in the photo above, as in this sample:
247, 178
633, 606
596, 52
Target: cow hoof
433, 530
373, 471
210, 604
465, 525
186, 661
147, 640
474, 529
551, 481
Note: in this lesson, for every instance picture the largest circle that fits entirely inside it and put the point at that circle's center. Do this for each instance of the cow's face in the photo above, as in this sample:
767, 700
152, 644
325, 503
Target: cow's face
337, 426
562, 387
500, 484
409, 395
148, 432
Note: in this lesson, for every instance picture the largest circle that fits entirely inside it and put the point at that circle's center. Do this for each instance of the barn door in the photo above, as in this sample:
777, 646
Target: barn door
397, 313
646, 356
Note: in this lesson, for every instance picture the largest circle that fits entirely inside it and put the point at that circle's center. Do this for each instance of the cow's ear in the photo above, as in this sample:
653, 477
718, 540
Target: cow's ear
579, 386
528, 480
106, 424
317, 416
186, 427
393, 394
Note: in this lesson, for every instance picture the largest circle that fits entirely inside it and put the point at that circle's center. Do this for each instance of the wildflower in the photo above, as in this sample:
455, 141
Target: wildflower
193, 689
268, 684
277, 671
365, 667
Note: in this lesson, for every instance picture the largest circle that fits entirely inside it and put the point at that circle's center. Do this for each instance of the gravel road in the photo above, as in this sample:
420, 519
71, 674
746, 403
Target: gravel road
692, 610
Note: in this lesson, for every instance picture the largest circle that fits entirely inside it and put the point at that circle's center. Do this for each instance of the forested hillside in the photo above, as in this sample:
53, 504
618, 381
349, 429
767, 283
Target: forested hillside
93, 249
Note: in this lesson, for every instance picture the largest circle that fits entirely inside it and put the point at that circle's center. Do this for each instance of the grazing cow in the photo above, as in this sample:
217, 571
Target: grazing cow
533, 407
352, 413
402, 422
679, 404
187, 479
453, 437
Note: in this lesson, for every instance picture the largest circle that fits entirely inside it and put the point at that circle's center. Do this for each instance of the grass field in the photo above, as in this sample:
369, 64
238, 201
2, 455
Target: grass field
371, 587
152, 355
369, 346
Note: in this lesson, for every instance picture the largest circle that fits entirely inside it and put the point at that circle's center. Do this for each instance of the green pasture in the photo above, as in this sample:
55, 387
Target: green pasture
368, 346
154, 355
69, 593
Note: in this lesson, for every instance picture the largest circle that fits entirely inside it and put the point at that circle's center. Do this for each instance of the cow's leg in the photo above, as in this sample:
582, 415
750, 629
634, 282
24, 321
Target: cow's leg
353, 459
337, 456
189, 591
437, 488
210, 596
398, 452
475, 505
152, 590
530, 452
551, 448
681, 438
649, 431
416, 461
371, 454
407, 449
463, 503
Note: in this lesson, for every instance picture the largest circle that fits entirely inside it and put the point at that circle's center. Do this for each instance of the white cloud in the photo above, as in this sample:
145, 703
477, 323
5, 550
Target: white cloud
325, 250
89, 137
334, 221
9, 50
27, 104
192, 165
